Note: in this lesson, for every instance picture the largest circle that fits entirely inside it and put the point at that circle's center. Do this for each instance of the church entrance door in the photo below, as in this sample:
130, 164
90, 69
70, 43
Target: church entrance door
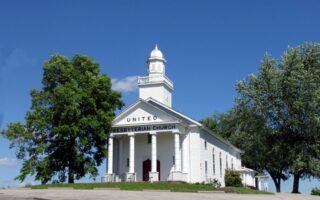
146, 168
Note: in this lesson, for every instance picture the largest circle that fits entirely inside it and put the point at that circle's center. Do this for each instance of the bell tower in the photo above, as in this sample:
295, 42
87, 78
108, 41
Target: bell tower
156, 85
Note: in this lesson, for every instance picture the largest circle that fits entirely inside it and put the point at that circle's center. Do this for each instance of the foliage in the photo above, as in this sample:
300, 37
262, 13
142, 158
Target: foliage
68, 123
275, 120
286, 96
315, 191
232, 178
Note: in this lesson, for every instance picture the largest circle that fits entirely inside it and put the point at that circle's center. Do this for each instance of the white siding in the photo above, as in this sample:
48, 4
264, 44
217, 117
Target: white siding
248, 178
158, 92
195, 154
186, 155
206, 155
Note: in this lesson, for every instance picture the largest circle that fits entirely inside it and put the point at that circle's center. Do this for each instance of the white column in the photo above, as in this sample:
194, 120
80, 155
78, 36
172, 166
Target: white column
153, 151
131, 152
177, 155
110, 155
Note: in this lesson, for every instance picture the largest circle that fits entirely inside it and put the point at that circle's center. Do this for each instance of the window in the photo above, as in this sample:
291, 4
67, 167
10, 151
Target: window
227, 166
149, 139
213, 163
128, 162
173, 160
206, 168
205, 145
232, 163
220, 160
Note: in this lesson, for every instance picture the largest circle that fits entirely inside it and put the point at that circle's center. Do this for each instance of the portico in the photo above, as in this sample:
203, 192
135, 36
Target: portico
153, 175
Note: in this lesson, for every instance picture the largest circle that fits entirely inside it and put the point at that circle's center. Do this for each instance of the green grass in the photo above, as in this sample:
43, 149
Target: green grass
139, 186
242, 190
174, 187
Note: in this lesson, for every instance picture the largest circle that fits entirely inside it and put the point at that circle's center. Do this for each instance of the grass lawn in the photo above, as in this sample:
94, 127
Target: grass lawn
139, 186
242, 190
174, 187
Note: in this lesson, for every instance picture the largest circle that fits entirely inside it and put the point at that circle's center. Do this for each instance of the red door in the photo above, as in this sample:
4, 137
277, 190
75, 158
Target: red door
146, 168
146, 165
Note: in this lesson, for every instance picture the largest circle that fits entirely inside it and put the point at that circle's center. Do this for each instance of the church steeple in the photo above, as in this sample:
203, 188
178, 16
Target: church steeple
156, 62
156, 85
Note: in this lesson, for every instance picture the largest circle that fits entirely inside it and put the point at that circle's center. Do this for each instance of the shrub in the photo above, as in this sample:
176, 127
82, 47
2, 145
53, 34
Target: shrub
215, 183
315, 191
232, 178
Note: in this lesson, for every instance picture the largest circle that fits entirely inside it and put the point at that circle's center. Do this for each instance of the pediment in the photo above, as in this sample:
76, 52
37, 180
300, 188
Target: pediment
143, 113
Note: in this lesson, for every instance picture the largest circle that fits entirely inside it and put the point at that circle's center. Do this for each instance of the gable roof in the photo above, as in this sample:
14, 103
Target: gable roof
139, 102
176, 115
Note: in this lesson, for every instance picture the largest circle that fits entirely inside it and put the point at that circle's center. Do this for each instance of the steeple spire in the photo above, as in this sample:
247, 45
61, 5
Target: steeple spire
156, 85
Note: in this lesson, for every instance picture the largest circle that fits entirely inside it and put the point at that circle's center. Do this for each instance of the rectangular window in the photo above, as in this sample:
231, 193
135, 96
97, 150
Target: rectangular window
173, 160
232, 163
149, 139
128, 161
206, 168
227, 167
220, 160
213, 164
205, 145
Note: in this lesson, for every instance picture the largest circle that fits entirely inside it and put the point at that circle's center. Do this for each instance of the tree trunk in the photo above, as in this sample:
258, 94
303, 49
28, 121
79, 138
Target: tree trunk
278, 185
296, 179
70, 177
277, 182
71, 159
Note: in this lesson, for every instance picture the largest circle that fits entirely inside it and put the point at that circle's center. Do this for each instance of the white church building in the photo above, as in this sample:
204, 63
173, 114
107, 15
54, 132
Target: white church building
150, 141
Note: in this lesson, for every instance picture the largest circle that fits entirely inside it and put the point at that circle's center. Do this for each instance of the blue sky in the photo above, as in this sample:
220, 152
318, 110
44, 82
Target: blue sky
209, 45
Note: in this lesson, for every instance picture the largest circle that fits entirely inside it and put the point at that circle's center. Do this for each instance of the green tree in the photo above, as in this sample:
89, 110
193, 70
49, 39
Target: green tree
246, 130
276, 117
260, 109
300, 89
66, 129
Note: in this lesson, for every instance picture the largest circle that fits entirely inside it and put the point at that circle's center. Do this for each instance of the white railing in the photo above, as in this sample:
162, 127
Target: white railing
150, 79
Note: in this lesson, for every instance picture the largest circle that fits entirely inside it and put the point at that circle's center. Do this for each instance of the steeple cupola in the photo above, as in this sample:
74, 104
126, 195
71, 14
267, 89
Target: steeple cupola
156, 85
156, 62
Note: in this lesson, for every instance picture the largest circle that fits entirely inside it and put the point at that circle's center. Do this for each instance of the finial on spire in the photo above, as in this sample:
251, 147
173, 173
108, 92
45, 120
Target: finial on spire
156, 54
